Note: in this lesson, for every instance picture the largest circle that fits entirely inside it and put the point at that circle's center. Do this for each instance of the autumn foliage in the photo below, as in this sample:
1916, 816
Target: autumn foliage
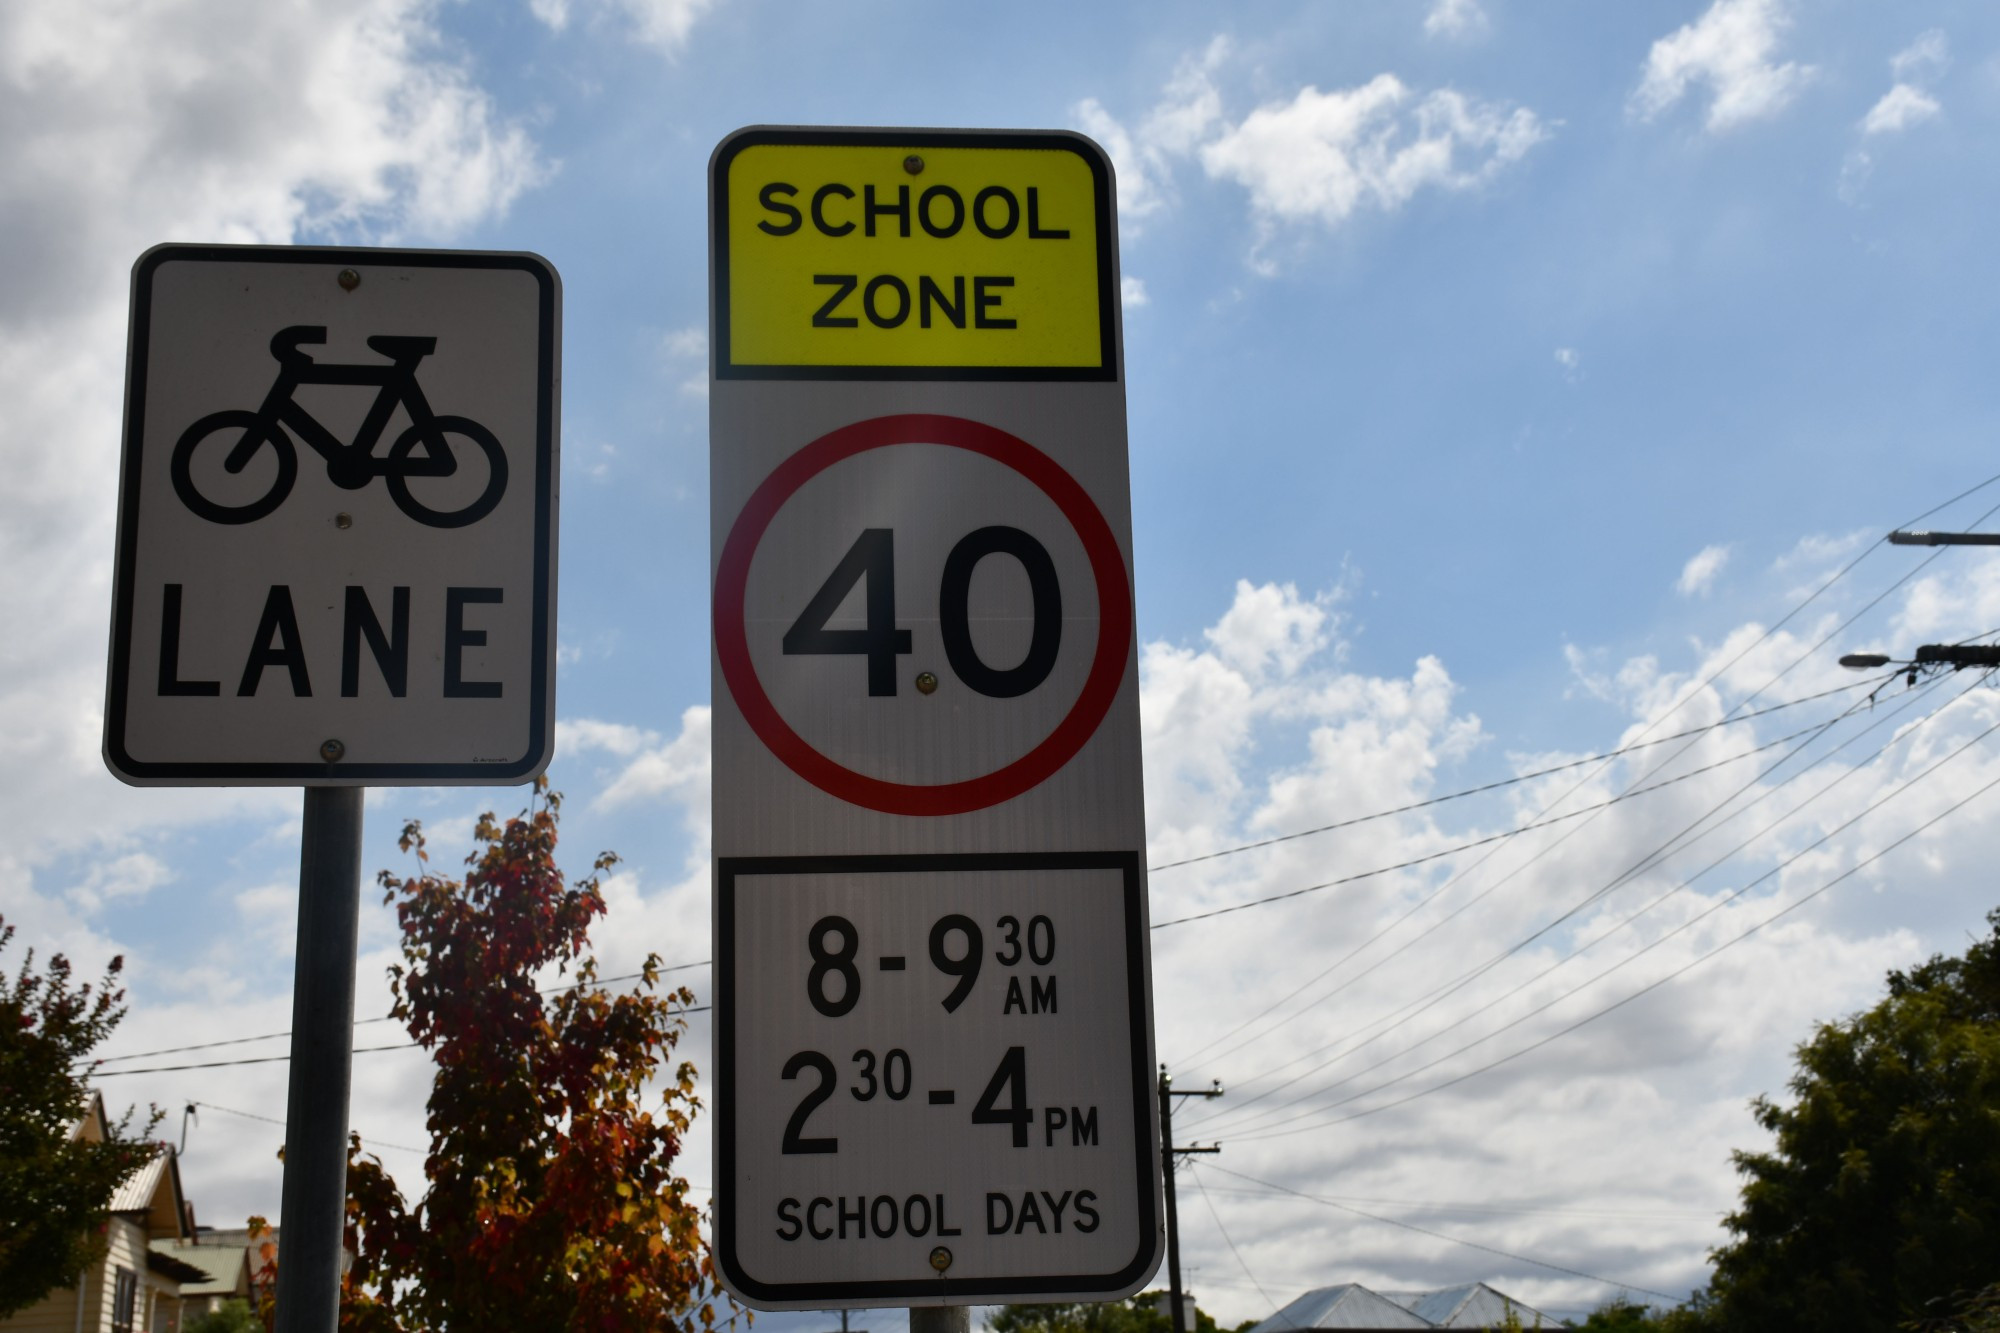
555, 1116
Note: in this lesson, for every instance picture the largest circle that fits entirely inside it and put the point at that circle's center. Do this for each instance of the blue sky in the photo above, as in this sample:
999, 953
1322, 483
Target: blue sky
1499, 374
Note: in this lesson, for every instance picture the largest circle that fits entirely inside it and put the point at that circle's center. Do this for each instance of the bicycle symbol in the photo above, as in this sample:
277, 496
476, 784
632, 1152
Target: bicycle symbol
420, 451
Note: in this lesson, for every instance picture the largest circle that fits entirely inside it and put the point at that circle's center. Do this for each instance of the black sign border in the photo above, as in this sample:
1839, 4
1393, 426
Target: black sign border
1108, 311
541, 685
943, 1289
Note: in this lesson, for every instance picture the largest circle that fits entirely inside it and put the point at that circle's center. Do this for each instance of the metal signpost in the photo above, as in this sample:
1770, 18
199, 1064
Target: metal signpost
934, 1079
335, 569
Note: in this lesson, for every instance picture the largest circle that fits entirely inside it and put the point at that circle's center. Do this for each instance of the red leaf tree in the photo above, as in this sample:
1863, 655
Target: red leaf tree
552, 1202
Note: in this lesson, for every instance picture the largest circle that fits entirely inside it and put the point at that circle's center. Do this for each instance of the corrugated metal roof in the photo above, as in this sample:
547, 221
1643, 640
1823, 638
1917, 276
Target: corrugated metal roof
1474, 1305
136, 1194
184, 1274
1349, 1305
225, 1268
1353, 1306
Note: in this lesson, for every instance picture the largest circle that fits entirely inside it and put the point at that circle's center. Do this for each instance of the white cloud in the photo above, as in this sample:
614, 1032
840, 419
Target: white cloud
1901, 107
1141, 192
1455, 18
616, 738
676, 769
662, 24
1818, 550
1927, 55
133, 875
1379, 977
1701, 571
1322, 156
1259, 726
1189, 108
685, 354
1317, 157
1907, 103
1570, 362
230, 121
1132, 292
1732, 50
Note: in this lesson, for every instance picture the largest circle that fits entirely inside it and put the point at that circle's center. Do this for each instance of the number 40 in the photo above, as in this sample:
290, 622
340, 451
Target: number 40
873, 558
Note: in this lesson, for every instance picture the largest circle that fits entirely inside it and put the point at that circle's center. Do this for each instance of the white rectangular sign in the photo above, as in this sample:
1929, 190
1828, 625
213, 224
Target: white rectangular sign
337, 519
934, 1038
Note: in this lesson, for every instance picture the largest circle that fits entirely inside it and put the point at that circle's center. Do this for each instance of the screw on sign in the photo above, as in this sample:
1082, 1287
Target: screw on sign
933, 1015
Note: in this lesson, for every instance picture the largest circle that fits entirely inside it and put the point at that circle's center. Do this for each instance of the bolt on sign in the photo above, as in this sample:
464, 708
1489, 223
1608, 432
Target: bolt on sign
337, 519
933, 996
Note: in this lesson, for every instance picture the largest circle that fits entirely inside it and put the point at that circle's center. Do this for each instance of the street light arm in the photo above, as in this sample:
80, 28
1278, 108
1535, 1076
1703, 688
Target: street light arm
1944, 539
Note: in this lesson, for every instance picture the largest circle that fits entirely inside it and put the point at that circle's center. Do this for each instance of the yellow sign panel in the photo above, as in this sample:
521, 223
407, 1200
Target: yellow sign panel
913, 255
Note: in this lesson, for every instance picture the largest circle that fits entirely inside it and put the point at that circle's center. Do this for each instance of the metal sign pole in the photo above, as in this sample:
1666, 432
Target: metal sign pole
940, 1319
313, 1214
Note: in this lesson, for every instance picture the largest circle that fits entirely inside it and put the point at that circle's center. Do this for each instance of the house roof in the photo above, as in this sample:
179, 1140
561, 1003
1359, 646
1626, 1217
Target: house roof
152, 1197
1349, 1305
224, 1268
182, 1272
1474, 1305
89, 1124
1353, 1306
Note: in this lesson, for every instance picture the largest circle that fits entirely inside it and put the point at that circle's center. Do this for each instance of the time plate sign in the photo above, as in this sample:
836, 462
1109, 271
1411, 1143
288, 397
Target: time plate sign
933, 1004
882, 983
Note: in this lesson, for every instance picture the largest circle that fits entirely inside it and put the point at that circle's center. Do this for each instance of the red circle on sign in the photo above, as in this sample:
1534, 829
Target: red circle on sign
1114, 610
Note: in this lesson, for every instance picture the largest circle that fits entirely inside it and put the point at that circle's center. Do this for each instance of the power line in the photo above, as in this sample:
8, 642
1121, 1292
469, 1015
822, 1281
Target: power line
279, 1059
1501, 836
1537, 820
362, 1022
1592, 812
1411, 1010
250, 1115
1516, 780
1654, 985
1527, 828
1444, 990
1716, 675
1444, 1207
227, 1064
1202, 1185
1439, 1235
1811, 733
1633, 957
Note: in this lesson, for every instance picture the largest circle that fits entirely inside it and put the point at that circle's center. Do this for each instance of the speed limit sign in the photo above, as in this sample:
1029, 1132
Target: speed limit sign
933, 1004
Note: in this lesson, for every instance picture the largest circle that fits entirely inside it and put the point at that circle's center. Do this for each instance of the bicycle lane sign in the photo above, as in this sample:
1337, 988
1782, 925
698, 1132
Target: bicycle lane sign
337, 519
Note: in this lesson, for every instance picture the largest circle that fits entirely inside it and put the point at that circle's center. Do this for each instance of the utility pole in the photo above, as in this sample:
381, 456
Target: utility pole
1167, 1156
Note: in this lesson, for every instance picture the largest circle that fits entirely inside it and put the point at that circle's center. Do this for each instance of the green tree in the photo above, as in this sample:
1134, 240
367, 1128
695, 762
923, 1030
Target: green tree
232, 1316
1975, 1313
1621, 1314
55, 1190
1881, 1194
552, 1202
